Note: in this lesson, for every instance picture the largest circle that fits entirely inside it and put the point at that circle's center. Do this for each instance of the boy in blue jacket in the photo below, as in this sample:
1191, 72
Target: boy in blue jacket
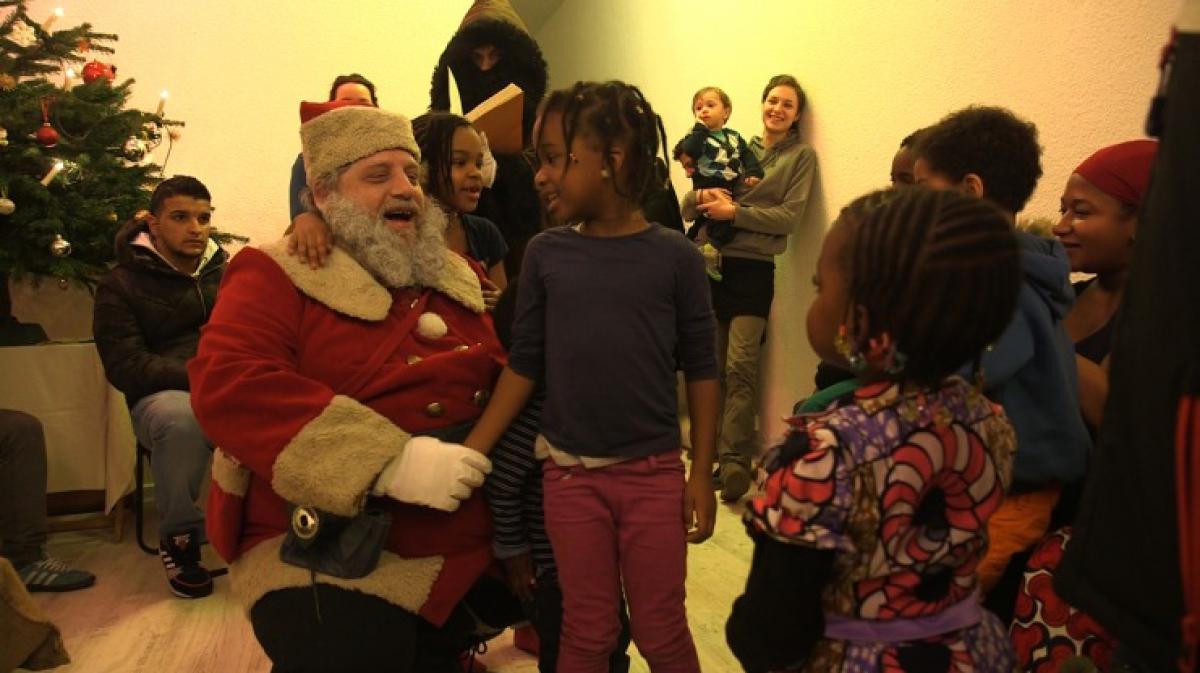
988, 152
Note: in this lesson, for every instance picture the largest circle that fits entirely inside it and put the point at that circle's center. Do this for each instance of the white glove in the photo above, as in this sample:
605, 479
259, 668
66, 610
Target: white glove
489, 162
433, 473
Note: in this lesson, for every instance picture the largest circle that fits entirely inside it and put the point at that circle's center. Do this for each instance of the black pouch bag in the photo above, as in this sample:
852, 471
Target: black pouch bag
346, 547
338, 546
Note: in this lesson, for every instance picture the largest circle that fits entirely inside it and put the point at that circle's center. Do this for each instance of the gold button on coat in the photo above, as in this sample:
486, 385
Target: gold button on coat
481, 397
435, 410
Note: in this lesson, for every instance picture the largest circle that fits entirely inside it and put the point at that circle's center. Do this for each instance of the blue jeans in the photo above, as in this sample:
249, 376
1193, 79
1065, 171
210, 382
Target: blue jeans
179, 456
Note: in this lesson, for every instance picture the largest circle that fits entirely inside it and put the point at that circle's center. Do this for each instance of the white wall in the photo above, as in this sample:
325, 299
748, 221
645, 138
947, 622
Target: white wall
873, 71
237, 70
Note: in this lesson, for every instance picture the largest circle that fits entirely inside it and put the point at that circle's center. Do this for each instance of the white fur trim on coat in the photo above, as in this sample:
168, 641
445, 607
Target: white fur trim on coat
342, 284
346, 287
334, 460
404, 582
229, 475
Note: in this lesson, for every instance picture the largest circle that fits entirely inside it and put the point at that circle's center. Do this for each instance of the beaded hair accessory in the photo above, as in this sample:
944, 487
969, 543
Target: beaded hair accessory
848, 350
882, 353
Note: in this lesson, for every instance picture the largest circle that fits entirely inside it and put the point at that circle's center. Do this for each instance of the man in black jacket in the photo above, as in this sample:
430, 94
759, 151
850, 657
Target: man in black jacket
491, 49
149, 311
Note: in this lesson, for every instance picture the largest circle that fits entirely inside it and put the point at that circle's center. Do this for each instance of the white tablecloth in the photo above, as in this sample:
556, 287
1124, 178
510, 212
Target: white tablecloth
89, 437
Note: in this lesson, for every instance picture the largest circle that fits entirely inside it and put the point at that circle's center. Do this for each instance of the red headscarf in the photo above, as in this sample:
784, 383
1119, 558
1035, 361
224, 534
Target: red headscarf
1122, 171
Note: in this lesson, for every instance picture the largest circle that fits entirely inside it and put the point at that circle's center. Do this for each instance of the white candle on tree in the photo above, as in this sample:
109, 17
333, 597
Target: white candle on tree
162, 102
54, 16
54, 170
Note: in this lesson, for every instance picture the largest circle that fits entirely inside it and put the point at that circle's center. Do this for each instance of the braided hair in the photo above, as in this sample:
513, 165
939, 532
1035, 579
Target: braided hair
612, 113
936, 270
434, 132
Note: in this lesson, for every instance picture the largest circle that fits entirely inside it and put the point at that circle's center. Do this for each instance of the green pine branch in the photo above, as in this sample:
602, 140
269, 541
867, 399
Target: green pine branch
100, 187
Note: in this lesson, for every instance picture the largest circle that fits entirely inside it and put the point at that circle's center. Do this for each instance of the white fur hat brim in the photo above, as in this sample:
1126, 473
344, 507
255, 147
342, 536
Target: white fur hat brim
346, 134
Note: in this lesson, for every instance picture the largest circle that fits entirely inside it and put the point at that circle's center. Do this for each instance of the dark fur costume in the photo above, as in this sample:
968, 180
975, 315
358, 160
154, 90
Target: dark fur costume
512, 202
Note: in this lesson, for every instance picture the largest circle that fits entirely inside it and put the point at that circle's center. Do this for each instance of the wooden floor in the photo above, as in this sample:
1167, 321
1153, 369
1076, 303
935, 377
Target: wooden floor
130, 623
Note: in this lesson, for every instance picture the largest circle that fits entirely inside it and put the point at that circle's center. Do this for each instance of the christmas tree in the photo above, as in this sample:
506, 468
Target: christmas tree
75, 163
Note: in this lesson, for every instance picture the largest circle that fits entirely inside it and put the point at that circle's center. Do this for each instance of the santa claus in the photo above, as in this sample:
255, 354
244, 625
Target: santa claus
341, 500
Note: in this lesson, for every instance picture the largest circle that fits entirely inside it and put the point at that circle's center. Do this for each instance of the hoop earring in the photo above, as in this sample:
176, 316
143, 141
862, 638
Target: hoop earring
849, 351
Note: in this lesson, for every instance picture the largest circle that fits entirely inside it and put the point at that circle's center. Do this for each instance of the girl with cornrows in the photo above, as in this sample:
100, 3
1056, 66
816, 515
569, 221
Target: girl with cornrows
606, 306
874, 513
762, 219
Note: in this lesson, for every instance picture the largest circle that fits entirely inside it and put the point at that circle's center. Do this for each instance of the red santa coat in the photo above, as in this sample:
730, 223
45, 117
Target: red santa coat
310, 382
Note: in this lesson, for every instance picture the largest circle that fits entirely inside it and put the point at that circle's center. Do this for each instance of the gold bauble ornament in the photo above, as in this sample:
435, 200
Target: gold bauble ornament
60, 247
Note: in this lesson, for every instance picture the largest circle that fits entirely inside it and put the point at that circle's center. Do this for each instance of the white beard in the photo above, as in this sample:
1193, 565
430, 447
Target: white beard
408, 258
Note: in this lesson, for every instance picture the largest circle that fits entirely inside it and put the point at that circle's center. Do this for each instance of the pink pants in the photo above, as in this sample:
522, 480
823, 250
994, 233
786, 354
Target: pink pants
621, 522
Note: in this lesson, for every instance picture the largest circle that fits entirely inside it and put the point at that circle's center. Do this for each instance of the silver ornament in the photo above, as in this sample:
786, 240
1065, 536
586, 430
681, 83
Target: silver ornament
152, 134
60, 247
134, 150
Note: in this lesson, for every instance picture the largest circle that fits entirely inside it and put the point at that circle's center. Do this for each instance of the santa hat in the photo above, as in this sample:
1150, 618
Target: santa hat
1122, 171
338, 133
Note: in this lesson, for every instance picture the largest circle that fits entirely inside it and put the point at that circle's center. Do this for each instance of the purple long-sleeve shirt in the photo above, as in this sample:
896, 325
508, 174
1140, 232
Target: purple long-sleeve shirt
602, 322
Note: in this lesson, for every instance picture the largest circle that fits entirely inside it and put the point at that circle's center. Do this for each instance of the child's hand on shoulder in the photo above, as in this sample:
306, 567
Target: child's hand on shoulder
310, 240
491, 294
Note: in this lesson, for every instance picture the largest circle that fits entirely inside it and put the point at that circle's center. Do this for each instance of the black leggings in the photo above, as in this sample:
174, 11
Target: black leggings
326, 629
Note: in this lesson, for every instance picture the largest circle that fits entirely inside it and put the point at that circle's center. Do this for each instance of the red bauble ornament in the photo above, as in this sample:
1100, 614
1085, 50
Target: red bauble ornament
95, 70
46, 136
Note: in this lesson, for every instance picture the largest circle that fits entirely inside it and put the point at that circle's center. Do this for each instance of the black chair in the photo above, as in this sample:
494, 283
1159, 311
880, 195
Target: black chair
139, 499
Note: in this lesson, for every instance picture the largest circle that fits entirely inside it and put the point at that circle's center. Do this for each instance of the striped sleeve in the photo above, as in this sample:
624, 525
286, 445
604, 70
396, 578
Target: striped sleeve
513, 467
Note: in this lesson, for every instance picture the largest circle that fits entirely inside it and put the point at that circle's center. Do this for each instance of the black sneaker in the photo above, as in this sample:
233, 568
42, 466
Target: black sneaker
51, 574
180, 555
